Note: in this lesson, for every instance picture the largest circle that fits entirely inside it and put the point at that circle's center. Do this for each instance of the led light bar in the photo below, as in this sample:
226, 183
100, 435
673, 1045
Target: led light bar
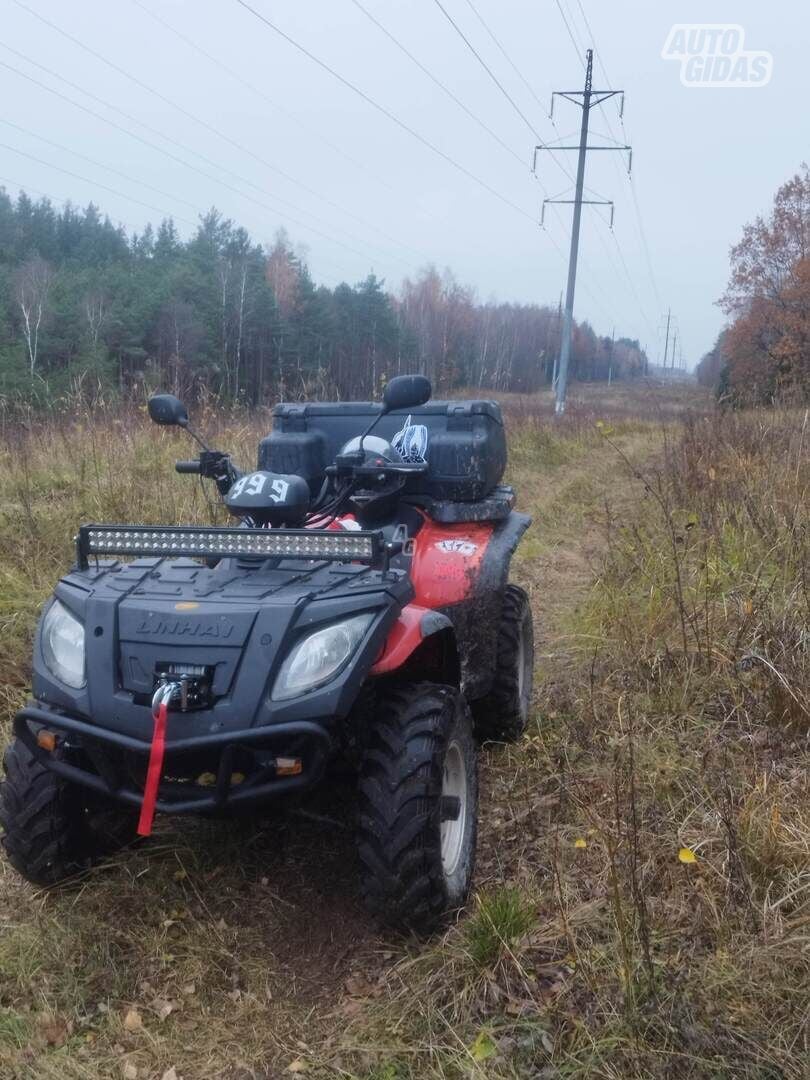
174, 541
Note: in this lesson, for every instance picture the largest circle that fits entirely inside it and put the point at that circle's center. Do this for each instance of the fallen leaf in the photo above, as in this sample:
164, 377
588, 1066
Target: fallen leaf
358, 986
686, 855
129, 1071
54, 1029
171, 1074
483, 1047
580, 842
133, 1020
188, 989
352, 1007
297, 1066
163, 1008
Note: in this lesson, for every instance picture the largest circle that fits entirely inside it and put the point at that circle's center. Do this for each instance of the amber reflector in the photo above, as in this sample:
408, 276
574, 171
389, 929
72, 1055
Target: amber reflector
289, 766
46, 740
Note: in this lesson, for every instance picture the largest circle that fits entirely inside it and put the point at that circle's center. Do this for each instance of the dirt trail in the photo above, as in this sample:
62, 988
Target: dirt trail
569, 508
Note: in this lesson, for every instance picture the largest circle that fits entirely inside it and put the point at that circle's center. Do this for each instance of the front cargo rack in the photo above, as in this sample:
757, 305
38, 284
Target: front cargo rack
180, 540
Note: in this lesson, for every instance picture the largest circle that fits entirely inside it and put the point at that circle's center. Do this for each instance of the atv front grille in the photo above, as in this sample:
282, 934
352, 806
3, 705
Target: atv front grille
174, 540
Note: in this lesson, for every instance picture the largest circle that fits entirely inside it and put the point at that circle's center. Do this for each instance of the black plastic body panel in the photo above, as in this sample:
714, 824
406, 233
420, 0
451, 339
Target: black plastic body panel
466, 442
496, 507
476, 621
241, 622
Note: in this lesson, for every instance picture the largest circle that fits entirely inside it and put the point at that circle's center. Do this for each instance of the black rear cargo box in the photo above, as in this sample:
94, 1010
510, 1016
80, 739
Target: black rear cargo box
466, 442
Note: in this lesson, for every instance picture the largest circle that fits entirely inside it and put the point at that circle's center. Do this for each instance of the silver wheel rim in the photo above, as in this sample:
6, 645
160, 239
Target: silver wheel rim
454, 785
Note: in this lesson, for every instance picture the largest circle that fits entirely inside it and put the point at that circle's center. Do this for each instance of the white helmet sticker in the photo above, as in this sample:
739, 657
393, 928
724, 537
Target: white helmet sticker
457, 547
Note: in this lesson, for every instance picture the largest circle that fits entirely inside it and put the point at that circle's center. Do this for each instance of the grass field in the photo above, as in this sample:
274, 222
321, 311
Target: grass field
641, 903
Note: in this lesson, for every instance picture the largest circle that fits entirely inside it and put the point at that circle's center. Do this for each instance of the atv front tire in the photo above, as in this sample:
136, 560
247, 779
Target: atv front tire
53, 829
502, 715
418, 812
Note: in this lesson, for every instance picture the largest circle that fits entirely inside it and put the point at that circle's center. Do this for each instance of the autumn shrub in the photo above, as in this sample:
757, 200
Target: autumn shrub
768, 299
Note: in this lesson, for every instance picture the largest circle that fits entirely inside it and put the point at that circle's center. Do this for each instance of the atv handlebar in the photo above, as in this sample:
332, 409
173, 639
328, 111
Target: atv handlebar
213, 465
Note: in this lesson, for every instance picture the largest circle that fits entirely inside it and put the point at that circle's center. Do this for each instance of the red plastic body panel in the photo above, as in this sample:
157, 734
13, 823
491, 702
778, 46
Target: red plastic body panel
447, 561
405, 636
445, 568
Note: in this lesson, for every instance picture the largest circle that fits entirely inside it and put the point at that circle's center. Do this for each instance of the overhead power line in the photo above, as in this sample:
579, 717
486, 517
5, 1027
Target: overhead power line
445, 89
134, 229
384, 111
574, 42
285, 216
487, 68
21, 187
631, 179
98, 164
497, 82
504, 53
95, 183
199, 120
254, 89
599, 59
530, 126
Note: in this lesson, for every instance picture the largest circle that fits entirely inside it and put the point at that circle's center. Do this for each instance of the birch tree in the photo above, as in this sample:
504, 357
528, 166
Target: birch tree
96, 312
33, 284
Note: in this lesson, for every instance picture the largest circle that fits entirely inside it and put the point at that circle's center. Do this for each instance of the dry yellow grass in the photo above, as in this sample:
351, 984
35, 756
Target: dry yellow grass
668, 567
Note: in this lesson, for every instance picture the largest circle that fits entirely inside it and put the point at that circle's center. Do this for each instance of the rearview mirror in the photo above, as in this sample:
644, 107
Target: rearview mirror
406, 392
167, 409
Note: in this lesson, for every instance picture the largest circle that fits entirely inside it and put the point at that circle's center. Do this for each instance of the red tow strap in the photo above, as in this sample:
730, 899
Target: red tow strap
155, 770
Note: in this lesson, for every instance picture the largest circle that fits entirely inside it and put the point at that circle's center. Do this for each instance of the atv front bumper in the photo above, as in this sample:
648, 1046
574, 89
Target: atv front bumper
113, 763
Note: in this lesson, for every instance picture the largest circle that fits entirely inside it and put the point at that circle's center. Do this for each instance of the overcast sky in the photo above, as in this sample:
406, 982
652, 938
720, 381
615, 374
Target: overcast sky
360, 192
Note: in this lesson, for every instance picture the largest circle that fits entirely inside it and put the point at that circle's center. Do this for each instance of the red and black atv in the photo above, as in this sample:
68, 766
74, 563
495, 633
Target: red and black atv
360, 610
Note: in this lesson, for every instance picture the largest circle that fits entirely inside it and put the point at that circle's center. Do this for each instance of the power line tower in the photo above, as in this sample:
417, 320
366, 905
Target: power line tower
589, 99
557, 357
666, 339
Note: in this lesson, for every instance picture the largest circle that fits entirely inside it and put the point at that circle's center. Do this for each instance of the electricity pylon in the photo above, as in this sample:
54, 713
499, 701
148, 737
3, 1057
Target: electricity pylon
590, 98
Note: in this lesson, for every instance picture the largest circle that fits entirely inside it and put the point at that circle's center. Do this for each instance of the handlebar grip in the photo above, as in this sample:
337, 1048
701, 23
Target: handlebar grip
188, 467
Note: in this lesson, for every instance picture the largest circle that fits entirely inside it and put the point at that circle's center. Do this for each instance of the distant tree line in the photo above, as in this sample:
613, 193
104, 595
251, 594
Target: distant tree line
764, 353
84, 303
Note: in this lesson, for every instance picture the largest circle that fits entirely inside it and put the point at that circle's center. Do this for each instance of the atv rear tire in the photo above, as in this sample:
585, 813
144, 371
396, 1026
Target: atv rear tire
502, 715
53, 829
418, 812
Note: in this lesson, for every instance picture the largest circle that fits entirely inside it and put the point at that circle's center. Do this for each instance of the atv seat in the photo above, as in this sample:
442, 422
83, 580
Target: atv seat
466, 451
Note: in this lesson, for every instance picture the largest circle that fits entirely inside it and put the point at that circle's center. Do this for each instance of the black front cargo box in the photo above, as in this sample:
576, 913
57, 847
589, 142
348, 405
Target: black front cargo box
466, 443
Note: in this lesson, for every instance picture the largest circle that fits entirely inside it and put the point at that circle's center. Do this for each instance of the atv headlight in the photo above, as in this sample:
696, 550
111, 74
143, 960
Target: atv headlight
318, 658
63, 645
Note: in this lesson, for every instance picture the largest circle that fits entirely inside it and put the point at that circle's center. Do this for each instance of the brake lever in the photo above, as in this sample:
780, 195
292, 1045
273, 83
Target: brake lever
217, 466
